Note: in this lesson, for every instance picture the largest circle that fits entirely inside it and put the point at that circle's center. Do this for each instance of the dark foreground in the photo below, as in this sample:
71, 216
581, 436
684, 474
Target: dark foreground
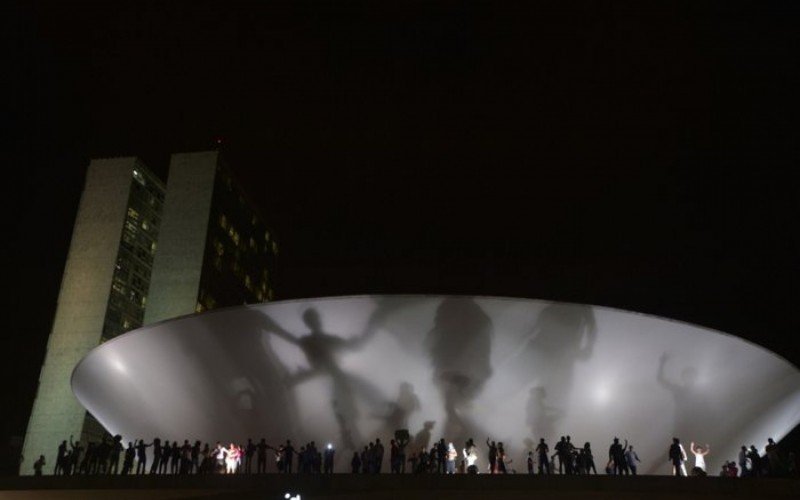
386, 486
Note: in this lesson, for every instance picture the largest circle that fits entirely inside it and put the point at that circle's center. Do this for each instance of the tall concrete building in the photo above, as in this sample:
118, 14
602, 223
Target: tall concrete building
103, 292
214, 249
141, 253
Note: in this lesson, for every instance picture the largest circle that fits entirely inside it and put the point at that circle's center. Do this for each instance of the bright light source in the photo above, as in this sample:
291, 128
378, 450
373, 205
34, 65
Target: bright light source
602, 394
119, 366
330, 446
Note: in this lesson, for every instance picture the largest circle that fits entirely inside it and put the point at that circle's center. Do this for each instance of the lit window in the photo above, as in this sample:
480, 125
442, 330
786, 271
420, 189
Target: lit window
266, 235
145, 226
133, 214
223, 221
199, 308
219, 247
247, 282
274, 248
252, 244
139, 177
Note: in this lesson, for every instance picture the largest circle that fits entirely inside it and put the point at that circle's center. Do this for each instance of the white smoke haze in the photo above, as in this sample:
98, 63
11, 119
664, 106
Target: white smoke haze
349, 370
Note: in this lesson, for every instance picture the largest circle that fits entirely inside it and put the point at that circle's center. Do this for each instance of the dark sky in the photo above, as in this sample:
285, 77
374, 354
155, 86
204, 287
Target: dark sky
612, 153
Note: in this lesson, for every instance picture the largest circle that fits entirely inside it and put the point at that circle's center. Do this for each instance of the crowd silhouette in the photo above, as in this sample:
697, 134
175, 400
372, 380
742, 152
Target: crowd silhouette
441, 457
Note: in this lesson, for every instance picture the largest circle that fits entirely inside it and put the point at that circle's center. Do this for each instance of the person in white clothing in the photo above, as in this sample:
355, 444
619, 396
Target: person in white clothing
699, 455
471, 456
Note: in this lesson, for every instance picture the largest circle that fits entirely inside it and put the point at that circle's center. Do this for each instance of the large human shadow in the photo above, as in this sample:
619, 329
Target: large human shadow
562, 336
459, 346
396, 413
540, 417
321, 350
243, 366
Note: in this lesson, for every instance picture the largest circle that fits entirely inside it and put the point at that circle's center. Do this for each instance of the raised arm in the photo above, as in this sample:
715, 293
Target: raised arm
358, 341
269, 325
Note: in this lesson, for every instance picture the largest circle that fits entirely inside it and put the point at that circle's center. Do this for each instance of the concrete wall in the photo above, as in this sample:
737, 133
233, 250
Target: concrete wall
178, 261
81, 308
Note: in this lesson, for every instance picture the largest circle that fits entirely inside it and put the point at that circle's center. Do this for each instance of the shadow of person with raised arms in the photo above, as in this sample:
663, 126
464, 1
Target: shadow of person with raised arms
321, 350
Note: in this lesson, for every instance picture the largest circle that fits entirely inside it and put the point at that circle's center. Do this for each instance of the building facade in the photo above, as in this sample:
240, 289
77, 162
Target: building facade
142, 253
103, 293
215, 250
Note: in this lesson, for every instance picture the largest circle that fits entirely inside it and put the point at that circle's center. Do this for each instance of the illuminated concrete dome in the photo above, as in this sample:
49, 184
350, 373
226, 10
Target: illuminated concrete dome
348, 370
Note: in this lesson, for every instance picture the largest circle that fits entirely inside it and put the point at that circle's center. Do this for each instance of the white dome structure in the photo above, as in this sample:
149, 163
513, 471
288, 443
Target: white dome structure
346, 370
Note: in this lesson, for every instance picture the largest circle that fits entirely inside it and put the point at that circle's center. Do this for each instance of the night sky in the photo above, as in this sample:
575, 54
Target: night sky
609, 153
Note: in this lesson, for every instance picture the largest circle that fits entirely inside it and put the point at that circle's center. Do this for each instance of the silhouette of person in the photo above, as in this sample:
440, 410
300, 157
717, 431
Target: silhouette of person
539, 416
616, 454
158, 453
745, 470
141, 455
631, 458
562, 335
127, 463
328, 459
321, 350
62, 452
542, 453
37, 466
677, 455
288, 457
423, 437
249, 451
355, 463
261, 456
773, 458
685, 393
115, 452
77, 449
492, 456
588, 458
459, 346
756, 464
396, 416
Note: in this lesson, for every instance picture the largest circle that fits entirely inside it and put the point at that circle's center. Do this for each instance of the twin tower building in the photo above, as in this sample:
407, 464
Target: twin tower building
143, 252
